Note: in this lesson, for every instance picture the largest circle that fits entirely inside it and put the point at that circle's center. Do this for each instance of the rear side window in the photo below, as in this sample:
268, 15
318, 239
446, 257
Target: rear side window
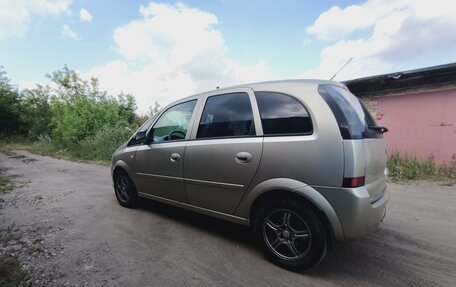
282, 114
228, 115
354, 120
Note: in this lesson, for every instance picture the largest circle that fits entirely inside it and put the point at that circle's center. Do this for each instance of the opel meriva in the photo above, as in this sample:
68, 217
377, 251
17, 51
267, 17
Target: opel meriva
301, 161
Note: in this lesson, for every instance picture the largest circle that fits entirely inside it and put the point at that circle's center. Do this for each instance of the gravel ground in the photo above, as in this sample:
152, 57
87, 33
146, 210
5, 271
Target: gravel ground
63, 225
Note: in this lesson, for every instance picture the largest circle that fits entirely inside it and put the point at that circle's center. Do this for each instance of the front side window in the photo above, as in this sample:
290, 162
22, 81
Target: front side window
173, 124
228, 115
282, 114
140, 134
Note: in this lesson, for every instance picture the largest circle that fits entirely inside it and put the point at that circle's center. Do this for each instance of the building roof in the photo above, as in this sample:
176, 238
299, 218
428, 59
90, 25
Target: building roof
427, 78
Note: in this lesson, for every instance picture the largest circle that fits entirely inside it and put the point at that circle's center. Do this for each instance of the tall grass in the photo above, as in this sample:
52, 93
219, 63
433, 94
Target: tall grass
403, 167
102, 144
98, 147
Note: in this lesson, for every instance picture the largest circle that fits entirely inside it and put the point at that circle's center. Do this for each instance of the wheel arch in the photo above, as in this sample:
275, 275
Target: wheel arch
280, 187
123, 166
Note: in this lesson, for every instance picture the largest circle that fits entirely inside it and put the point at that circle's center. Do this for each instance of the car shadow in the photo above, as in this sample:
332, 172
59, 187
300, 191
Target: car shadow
240, 234
383, 256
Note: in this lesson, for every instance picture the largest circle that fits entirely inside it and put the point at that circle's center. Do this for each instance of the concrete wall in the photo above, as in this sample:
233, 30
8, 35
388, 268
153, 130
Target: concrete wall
419, 123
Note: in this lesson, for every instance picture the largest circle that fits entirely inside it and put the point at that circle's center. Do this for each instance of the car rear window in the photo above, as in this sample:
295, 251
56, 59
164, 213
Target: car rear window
355, 122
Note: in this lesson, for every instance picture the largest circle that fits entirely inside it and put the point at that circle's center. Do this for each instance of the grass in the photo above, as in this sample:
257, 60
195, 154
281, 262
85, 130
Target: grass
48, 149
97, 148
406, 168
11, 273
5, 184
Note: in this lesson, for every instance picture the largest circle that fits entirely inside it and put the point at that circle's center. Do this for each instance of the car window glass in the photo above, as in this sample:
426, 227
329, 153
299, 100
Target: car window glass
142, 129
228, 115
355, 121
147, 124
173, 124
282, 114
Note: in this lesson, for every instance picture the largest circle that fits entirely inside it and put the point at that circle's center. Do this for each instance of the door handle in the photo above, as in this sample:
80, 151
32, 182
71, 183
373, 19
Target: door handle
175, 157
243, 157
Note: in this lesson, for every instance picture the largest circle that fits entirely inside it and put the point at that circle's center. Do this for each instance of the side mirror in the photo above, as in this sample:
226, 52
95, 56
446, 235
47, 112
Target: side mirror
140, 137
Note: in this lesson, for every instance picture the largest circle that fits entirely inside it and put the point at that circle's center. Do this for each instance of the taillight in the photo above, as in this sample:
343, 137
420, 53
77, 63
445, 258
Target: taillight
352, 182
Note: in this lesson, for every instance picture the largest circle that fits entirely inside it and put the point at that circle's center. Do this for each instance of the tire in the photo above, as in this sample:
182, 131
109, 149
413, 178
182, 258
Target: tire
125, 190
291, 233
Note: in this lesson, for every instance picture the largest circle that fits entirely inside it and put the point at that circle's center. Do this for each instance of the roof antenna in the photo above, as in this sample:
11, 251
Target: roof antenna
341, 68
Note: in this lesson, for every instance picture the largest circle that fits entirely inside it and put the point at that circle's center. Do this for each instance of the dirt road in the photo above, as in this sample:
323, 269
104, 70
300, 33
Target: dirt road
66, 228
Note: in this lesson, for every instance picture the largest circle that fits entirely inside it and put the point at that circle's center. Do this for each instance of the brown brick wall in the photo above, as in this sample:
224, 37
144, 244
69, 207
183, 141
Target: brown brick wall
371, 103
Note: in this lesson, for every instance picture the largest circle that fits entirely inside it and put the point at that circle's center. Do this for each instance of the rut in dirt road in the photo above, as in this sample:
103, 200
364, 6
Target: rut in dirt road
63, 225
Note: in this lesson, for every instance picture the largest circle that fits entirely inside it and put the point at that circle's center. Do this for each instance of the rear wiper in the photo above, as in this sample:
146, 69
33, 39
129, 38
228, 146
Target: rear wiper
379, 129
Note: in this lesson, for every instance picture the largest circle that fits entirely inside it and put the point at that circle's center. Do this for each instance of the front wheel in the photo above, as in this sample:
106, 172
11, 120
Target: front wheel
125, 190
291, 234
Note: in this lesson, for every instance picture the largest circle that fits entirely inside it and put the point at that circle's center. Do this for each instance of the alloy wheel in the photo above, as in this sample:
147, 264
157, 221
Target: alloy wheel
287, 235
123, 188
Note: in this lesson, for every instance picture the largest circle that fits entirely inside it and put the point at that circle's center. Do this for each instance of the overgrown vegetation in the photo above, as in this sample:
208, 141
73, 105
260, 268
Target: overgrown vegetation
403, 168
70, 117
5, 184
11, 273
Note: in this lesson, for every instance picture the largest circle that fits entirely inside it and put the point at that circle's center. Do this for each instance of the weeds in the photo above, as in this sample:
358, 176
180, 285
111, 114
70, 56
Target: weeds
402, 168
97, 148
5, 184
11, 273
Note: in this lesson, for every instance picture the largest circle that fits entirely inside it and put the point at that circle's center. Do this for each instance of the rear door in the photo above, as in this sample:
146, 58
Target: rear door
225, 152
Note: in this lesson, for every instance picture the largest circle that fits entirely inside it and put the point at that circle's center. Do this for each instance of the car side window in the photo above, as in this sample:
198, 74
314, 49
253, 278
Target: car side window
142, 130
173, 123
228, 115
282, 114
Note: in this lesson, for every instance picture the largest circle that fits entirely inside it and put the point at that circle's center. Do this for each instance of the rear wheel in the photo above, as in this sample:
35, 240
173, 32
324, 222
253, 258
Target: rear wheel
125, 190
291, 233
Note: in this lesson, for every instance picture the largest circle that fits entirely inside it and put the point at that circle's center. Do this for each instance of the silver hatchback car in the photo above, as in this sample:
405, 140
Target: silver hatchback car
300, 161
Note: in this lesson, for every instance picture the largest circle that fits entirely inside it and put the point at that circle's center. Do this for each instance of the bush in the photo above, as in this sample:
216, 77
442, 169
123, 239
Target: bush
10, 112
80, 109
73, 117
102, 144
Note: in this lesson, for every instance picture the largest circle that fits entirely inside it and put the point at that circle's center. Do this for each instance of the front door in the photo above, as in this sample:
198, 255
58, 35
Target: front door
159, 163
225, 154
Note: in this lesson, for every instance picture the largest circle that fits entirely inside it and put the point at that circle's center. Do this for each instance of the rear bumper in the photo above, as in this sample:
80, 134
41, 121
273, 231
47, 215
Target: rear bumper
358, 213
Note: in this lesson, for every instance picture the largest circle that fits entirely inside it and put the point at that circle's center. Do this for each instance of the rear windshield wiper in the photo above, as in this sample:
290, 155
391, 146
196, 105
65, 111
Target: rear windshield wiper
379, 129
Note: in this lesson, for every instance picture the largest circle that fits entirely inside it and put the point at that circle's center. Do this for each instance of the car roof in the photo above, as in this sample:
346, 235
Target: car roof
279, 85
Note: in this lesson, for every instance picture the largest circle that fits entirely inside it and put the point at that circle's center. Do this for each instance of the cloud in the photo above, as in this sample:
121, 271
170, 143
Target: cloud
16, 15
169, 52
85, 16
66, 32
396, 34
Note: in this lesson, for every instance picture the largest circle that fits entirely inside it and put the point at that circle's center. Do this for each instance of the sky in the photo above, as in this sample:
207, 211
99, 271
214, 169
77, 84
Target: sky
166, 50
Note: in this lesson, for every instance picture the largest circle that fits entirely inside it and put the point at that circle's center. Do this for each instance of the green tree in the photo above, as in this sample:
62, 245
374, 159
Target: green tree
36, 113
80, 109
10, 107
